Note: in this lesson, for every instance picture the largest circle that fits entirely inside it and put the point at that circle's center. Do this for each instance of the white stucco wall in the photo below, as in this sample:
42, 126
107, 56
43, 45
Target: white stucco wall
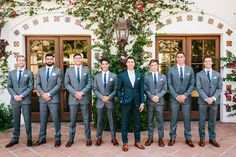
222, 12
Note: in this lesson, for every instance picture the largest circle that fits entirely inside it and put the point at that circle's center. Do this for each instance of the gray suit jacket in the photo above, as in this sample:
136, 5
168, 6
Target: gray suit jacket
151, 89
175, 86
72, 85
208, 89
109, 91
24, 88
53, 87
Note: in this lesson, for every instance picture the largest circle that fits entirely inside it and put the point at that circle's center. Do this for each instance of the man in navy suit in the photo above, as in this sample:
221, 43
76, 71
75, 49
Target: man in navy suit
130, 90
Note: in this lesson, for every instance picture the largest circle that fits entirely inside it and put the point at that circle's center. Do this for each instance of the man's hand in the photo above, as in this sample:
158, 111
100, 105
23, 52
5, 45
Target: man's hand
46, 97
141, 107
209, 101
181, 99
155, 99
78, 95
105, 99
18, 98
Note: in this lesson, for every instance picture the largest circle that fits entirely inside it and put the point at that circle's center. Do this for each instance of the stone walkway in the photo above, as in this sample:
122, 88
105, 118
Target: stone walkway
226, 133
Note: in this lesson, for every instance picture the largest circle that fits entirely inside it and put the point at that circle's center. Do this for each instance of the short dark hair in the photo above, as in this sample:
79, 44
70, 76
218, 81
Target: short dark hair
20, 56
49, 55
153, 61
130, 57
77, 54
180, 52
104, 59
208, 57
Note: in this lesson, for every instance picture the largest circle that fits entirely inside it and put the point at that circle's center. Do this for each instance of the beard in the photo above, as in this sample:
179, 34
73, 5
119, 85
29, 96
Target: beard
49, 64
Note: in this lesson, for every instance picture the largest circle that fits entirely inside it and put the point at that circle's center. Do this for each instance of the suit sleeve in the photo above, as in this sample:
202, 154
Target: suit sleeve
119, 87
199, 87
191, 85
142, 89
170, 81
88, 86
30, 86
10, 86
57, 87
112, 95
38, 83
164, 89
67, 83
95, 88
146, 89
219, 87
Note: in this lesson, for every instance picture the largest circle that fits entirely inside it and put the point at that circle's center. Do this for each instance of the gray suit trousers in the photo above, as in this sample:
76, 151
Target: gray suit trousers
73, 117
160, 121
26, 108
100, 119
55, 112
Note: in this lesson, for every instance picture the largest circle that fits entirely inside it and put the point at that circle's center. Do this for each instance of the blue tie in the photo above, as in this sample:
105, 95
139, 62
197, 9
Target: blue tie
181, 75
105, 80
19, 78
208, 76
78, 75
155, 79
47, 77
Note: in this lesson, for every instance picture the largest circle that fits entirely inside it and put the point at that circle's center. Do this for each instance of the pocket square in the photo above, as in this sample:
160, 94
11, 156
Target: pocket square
25, 75
214, 77
54, 74
84, 74
111, 79
138, 78
161, 79
188, 74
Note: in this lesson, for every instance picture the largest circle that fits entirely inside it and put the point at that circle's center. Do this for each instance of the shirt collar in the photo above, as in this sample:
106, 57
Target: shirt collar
106, 72
210, 70
50, 67
22, 69
129, 71
154, 73
180, 66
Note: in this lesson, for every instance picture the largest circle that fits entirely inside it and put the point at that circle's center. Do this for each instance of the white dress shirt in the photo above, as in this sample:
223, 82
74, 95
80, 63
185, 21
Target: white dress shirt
131, 77
80, 73
178, 66
107, 74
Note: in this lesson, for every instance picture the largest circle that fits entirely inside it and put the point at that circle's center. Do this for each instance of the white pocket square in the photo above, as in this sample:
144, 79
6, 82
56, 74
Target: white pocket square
84, 73
161, 79
188, 74
25, 75
215, 77
138, 78
111, 79
54, 74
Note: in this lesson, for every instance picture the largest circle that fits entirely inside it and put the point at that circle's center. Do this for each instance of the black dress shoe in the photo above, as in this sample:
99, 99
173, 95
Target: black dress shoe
57, 143
114, 142
11, 143
214, 143
171, 142
69, 143
29, 143
89, 143
98, 142
39, 142
161, 142
149, 142
189, 143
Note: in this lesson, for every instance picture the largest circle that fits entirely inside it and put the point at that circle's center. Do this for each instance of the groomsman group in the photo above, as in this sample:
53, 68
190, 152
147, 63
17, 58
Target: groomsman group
129, 86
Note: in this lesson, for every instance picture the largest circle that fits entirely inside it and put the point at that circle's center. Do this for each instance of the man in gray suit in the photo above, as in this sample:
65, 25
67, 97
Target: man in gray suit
48, 83
181, 83
104, 87
209, 86
155, 87
79, 83
20, 85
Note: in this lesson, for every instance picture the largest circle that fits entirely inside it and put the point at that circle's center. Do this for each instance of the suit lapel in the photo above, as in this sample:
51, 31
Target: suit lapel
109, 78
100, 81
127, 76
177, 73
159, 80
205, 75
22, 76
15, 79
53, 69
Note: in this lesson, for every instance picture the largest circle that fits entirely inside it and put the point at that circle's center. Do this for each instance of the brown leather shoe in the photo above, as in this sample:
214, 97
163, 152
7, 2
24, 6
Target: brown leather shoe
171, 142
89, 143
149, 142
69, 143
57, 143
39, 143
125, 147
29, 143
98, 142
202, 143
139, 145
190, 143
161, 142
214, 143
114, 142
11, 143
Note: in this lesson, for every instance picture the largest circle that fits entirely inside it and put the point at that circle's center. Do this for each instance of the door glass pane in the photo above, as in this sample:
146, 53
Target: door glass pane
70, 47
197, 51
209, 48
38, 50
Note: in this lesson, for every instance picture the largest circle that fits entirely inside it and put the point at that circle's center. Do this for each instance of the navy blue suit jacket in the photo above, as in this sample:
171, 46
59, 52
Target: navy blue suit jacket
127, 93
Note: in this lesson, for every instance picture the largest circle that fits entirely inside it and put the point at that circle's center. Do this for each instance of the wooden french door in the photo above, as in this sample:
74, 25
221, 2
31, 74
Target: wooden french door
195, 49
63, 48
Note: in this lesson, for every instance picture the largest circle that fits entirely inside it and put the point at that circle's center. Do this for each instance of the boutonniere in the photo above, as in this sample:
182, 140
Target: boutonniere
84, 73
215, 77
188, 74
54, 74
111, 79
25, 75
138, 78
161, 79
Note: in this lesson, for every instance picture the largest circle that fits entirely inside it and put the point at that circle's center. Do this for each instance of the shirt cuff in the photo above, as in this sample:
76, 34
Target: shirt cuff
213, 98
48, 94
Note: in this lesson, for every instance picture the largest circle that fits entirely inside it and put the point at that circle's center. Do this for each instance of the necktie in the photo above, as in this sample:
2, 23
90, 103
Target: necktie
181, 75
105, 80
19, 77
78, 75
208, 76
155, 79
47, 77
